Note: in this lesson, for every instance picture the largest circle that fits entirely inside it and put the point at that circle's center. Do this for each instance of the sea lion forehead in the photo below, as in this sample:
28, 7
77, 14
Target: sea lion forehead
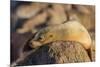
42, 32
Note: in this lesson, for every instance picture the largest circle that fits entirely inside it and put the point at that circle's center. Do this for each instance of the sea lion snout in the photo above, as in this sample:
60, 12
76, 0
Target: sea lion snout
35, 44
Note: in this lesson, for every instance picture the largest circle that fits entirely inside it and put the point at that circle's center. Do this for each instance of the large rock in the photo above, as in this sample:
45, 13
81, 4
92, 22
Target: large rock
57, 53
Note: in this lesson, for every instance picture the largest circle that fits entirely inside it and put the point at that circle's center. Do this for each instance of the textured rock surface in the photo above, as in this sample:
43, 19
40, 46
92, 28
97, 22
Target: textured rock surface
57, 52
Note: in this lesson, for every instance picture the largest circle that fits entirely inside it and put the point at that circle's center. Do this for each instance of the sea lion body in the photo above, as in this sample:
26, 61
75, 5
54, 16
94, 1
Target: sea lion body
69, 31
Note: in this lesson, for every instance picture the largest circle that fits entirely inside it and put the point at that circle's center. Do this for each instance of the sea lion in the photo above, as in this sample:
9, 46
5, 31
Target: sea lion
69, 31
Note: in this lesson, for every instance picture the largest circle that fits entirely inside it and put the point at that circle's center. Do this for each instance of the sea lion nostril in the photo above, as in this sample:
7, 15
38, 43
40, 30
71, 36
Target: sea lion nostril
30, 43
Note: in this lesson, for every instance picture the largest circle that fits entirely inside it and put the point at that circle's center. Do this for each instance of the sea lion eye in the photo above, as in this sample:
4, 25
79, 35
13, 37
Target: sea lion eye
41, 38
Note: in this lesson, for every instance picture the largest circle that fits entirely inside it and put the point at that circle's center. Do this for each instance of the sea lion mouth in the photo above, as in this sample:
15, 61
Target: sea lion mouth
34, 44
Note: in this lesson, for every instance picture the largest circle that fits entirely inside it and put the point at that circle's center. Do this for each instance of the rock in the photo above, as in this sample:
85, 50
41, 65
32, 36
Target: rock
57, 53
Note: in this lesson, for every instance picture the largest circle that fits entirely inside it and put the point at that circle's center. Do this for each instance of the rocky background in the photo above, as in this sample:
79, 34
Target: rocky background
26, 18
